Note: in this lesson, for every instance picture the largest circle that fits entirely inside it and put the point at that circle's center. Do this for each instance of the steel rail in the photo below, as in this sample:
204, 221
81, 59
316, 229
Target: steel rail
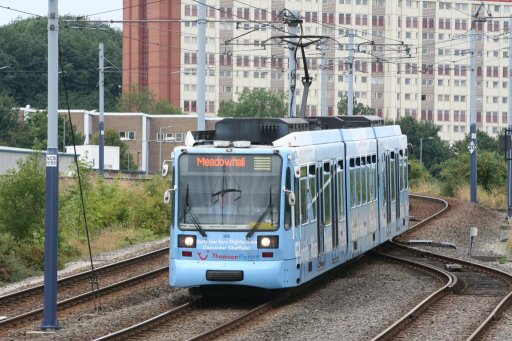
135, 329
15, 320
38, 289
450, 282
505, 277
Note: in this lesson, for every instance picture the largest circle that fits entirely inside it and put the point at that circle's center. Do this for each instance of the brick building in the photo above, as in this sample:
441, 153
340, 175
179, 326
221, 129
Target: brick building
411, 57
141, 132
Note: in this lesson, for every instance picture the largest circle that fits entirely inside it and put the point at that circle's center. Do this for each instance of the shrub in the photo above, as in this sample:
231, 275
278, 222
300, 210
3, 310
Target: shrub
12, 267
22, 199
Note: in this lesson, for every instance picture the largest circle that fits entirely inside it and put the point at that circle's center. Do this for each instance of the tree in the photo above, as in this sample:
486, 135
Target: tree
22, 199
8, 120
112, 138
358, 109
484, 141
255, 103
492, 171
33, 133
417, 172
24, 50
434, 150
141, 99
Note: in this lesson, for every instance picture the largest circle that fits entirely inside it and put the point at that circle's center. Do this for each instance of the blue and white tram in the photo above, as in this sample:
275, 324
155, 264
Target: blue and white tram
286, 203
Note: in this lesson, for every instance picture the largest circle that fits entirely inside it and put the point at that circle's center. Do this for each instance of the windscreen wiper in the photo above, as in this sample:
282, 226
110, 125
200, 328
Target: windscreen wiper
268, 210
227, 190
187, 211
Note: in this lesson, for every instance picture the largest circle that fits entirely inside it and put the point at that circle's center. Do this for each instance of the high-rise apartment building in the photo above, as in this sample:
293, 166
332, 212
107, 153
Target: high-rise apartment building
152, 47
411, 58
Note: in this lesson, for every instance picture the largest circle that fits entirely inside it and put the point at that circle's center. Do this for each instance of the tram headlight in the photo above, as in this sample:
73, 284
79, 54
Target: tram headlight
268, 242
186, 241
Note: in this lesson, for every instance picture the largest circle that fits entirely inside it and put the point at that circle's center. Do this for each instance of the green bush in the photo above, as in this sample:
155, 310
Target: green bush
22, 199
116, 203
12, 268
418, 173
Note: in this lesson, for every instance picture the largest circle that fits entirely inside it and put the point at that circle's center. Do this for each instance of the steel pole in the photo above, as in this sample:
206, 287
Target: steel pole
323, 77
293, 30
472, 128
421, 149
52, 174
509, 132
102, 105
350, 98
160, 159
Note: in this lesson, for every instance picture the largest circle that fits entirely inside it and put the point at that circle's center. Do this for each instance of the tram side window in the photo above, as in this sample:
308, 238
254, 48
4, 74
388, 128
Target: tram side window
359, 191
385, 178
353, 193
327, 193
288, 208
298, 206
401, 170
312, 191
362, 178
369, 183
393, 177
303, 195
340, 194
406, 170
352, 172
173, 182
374, 179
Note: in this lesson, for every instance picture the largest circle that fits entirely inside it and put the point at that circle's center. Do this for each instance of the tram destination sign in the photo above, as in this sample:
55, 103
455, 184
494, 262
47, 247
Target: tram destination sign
240, 163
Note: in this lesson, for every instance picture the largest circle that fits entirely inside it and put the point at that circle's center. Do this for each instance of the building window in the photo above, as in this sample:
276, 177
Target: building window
127, 135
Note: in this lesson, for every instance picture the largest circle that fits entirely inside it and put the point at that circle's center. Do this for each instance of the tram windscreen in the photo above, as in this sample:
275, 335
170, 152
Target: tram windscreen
223, 192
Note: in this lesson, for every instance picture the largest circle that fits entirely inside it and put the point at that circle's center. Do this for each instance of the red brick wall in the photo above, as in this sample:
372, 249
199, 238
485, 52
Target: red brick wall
151, 51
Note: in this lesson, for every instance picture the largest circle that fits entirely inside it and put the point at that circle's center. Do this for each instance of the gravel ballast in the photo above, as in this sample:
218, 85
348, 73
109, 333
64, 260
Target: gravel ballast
355, 305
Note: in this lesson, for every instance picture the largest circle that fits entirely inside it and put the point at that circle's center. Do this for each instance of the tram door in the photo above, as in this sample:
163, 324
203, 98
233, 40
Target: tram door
392, 188
320, 223
396, 170
339, 235
387, 191
335, 235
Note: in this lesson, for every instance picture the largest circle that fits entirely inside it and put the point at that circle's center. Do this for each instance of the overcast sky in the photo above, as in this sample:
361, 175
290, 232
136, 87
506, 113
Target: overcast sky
100, 9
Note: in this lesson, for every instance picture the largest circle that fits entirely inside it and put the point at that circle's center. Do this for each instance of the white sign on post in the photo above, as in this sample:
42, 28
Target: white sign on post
471, 147
51, 160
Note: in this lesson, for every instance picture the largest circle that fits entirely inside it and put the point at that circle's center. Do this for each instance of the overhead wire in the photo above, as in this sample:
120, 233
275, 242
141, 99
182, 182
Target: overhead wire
94, 278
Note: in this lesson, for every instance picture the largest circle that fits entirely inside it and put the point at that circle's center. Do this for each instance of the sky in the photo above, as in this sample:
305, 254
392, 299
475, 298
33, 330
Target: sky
100, 9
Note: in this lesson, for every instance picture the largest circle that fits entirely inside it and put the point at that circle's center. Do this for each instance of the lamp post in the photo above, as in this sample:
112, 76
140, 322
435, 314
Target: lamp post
160, 141
421, 146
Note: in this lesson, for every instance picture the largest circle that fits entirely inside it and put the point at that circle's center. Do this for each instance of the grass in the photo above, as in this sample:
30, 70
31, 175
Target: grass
497, 198
111, 239
426, 187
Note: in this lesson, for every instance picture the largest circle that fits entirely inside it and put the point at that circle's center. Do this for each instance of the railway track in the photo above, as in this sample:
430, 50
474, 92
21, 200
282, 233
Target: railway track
171, 324
25, 306
471, 298
193, 320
